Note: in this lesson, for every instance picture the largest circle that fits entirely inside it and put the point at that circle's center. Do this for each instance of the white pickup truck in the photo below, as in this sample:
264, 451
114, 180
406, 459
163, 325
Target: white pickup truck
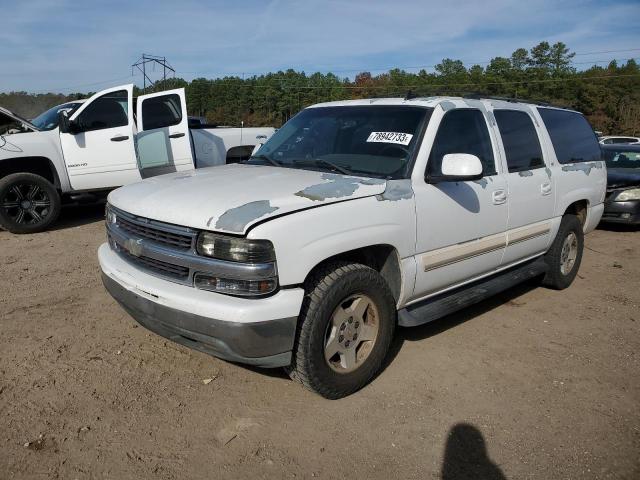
355, 217
81, 150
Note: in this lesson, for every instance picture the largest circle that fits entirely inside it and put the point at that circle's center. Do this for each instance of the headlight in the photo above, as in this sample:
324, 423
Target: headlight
626, 195
235, 249
241, 250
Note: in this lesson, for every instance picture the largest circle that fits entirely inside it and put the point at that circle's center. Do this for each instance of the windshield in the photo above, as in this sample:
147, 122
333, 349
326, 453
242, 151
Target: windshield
49, 119
622, 158
376, 141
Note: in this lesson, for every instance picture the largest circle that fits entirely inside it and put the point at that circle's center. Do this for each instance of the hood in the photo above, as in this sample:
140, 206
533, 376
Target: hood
6, 113
622, 177
232, 198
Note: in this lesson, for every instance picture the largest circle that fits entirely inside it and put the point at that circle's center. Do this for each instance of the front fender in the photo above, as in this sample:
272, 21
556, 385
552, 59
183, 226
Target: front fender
303, 239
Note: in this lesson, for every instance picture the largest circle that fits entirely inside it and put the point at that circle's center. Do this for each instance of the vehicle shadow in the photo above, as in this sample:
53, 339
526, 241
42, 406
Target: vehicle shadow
78, 215
423, 332
465, 456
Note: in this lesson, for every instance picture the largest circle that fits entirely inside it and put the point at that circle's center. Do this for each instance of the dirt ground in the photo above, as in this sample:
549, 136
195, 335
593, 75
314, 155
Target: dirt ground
532, 384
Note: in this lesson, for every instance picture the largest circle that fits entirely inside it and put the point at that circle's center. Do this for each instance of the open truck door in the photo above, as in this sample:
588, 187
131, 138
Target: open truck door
163, 140
98, 141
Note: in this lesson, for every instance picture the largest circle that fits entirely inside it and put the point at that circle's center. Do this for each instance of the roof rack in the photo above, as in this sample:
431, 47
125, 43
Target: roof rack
480, 96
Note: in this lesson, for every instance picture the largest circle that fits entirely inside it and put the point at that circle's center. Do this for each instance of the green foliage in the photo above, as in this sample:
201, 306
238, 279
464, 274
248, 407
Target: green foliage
609, 96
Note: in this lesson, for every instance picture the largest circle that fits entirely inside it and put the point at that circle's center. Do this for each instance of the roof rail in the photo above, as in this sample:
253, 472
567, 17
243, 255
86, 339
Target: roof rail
480, 96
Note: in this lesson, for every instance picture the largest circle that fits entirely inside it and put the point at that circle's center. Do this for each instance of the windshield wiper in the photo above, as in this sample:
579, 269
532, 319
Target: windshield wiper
273, 162
325, 163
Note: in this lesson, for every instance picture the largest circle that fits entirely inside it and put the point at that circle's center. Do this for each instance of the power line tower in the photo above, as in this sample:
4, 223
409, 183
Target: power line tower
141, 64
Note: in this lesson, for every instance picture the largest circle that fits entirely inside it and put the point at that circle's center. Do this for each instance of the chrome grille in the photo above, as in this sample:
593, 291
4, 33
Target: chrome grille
163, 268
160, 233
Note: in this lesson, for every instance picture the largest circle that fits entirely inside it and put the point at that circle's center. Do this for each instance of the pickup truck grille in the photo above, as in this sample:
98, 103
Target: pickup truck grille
157, 266
166, 235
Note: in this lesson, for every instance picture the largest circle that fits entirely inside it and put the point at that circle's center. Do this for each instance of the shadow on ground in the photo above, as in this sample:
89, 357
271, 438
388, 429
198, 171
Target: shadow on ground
76, 216
422, 332
465, 456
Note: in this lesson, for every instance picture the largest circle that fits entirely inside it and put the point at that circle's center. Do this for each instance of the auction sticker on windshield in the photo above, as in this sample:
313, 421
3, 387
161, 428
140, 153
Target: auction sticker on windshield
390, 137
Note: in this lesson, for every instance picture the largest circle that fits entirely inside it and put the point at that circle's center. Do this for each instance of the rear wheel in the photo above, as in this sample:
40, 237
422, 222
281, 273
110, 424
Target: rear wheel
28, 203
565, 254
346, 326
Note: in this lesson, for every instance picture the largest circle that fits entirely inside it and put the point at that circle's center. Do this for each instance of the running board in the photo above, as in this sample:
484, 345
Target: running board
441, 305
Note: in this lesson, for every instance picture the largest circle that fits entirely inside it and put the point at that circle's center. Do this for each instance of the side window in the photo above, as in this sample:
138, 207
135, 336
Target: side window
107, 111
572, 137
520, 140
462, 131
162, 111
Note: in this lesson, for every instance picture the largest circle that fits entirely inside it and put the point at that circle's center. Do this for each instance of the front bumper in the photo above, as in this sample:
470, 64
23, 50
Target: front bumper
253, 331
622, 212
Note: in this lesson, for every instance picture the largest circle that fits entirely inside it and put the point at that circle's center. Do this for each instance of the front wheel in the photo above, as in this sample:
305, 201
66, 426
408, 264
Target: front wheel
345, 330
28, 203
564, 257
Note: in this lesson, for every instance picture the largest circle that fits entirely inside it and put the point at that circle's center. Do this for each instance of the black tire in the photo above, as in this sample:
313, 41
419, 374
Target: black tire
555, 278
328, 289
28, 203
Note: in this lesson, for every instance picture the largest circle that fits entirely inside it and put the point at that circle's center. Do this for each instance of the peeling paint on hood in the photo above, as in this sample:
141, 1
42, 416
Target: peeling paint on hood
231, 198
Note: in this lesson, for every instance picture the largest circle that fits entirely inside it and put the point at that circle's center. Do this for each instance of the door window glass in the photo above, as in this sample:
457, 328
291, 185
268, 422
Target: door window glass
572, 137
520, 140
107, 111
462, 131
162, 111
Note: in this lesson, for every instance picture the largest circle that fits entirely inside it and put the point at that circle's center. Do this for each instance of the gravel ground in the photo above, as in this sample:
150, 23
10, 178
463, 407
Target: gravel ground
531, 384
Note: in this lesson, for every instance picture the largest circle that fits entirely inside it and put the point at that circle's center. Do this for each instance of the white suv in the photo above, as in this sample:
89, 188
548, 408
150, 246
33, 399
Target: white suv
355, 217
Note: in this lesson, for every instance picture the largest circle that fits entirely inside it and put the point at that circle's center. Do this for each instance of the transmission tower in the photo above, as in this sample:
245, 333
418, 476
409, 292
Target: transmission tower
141, 64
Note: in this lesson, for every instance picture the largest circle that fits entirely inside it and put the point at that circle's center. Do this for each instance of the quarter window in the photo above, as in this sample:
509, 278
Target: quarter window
162, 111
520, 140
572, 137
462, 131
108, 111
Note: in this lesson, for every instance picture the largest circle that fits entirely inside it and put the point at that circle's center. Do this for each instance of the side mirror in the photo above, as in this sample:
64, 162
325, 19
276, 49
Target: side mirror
66, 125
458, 167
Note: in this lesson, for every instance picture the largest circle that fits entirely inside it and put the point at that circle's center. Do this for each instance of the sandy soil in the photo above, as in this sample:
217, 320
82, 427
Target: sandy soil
531, 384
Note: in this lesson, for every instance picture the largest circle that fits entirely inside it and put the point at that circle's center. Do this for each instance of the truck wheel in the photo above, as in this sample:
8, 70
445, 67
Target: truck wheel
345, 328
565, 254
28, 203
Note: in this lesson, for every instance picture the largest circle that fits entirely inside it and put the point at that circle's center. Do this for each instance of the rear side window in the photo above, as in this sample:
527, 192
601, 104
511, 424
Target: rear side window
520, 140
572, 137
162, 111
462, 131
107, 111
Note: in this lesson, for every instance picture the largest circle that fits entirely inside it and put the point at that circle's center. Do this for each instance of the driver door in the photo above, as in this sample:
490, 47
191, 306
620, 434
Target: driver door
163, 140
101, 153
460, 224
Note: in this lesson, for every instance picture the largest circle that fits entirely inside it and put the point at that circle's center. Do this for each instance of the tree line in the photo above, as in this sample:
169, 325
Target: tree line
608, 95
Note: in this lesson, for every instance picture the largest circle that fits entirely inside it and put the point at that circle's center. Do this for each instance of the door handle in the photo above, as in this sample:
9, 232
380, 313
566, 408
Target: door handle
545, 188
499, 197
176, 135
120, 138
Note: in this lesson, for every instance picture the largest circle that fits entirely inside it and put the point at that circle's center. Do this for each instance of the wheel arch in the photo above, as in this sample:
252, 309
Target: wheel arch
383, 258
41, 166
580, 209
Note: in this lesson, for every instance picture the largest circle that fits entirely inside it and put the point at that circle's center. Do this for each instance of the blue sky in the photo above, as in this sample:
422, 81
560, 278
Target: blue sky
64, 45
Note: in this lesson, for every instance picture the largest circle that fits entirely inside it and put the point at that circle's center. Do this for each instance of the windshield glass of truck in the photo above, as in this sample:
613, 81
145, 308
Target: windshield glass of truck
49, 120
375, 141
622, 158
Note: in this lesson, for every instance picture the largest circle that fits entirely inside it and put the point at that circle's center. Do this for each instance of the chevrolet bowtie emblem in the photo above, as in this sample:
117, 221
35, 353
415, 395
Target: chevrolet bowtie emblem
134, 247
